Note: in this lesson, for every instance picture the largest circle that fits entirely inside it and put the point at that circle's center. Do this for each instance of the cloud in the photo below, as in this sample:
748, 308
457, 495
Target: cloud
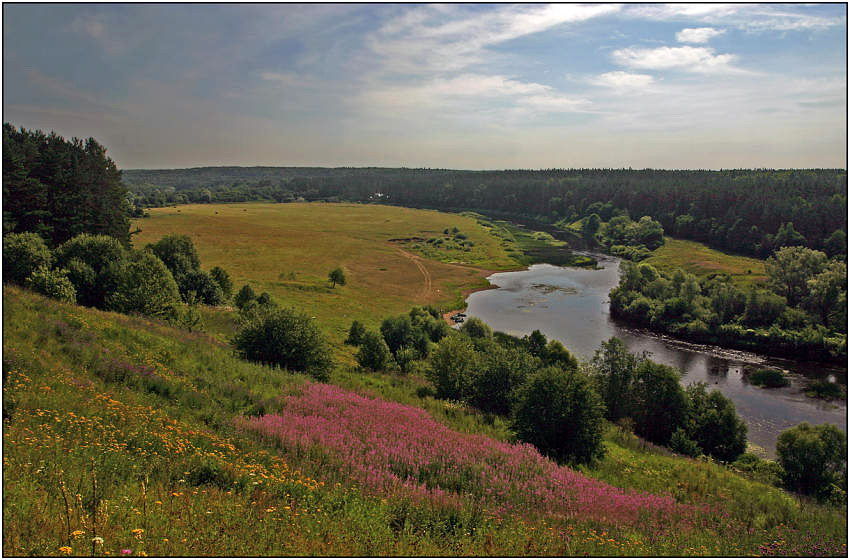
449, 38
622, 80
474, 91
701, 60
749, 17
698, 34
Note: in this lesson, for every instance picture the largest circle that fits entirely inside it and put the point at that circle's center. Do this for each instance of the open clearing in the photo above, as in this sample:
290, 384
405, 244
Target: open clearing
288, 250
700, 260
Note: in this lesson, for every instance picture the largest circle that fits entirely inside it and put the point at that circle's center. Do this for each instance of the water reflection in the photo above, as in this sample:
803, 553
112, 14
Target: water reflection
571, 305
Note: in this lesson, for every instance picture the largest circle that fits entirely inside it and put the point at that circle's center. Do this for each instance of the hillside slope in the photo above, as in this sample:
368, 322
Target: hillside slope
160, 442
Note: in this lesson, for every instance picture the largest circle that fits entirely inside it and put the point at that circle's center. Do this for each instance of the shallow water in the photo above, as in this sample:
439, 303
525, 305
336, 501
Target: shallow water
571, 305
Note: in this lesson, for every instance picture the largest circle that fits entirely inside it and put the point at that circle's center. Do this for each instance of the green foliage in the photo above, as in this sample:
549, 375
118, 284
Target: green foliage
683, 445
245, 296
558, 412
556, 354
178, 253
768, 378
498, 374
355, 333
336, 276
197, 285
288, 339
590, 225
474, 327
790, 269
144, 285
613, 370
453, 366
60, 189
836, 244
713, 423
756, 468
825, 292
763, 308
373, 353
658, 402
52, 283
405, 358
92, 262
825, 389
23, 254
399, 332
814, 459
222, 278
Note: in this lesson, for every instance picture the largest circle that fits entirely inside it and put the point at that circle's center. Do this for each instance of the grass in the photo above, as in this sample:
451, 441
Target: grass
289, 249
126, 429
700, 260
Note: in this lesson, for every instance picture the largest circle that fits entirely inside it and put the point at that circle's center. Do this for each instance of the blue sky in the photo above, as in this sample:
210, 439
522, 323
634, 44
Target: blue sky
462, 86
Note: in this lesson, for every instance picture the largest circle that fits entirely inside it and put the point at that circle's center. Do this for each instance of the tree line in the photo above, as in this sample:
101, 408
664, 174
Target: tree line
747, 211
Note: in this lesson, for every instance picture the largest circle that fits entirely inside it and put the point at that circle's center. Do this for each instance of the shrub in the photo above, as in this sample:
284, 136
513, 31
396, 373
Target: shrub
761, 470
374, 353
613, 368
23, 254
501, 372
52, 283
178, 253
813, 458
244, 296
405, 358
355, 333
683, 445
824, 389
453, 367
336, 276
397, 332
222, 278
659, 404
92, 262
768, 378
144, 285
558, 412
714, 424
200, 286
476, 328
287, 339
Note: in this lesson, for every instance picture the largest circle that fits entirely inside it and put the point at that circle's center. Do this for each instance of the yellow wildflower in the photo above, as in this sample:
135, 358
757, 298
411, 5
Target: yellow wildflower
77, 533
137, 532
66, 549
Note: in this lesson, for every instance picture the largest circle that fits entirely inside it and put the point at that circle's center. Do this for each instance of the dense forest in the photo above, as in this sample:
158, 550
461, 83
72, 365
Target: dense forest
751, 212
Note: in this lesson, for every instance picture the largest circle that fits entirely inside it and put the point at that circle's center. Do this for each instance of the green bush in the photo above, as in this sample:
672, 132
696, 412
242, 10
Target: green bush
287, 339
23, 254
761, 470
558, 412
245, 296
768, 378
824, 389
222, 278
405, 357
476, 328
144, 285
178, 253
659, 405
683, 445
52, 283
197, 285
499, 374
714, 424
373, 353
355, 333
453, 366
813, 458
92, 262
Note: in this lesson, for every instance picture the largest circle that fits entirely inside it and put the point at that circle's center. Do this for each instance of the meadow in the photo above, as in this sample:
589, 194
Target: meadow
126, 437
700, 260
289, 249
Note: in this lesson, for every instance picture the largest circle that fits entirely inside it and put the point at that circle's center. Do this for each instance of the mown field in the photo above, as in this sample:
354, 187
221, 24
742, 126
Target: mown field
126, 437
288, 250
701, 260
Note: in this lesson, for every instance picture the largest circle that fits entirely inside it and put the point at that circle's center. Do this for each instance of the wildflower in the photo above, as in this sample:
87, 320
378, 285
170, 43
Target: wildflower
66, 549
137, 532
126, 551
77, 533
97, 540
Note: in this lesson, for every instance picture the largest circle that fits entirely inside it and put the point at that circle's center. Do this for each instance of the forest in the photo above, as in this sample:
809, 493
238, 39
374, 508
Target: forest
746, 211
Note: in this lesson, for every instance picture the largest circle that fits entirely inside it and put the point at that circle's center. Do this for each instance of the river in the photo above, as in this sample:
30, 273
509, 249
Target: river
571, 305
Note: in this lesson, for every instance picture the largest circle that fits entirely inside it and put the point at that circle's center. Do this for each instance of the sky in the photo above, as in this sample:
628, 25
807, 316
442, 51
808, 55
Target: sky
466, 86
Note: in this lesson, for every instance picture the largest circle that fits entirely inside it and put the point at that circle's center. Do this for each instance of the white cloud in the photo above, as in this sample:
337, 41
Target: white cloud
690, 59
439, 38
750, 17
622, 80
698, 34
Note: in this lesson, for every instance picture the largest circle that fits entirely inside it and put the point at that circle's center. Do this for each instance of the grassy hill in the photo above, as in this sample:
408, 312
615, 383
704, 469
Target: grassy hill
700, 260
161, 442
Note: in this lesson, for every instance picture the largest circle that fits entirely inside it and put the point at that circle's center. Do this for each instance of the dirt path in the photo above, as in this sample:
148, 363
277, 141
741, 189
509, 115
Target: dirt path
426, 274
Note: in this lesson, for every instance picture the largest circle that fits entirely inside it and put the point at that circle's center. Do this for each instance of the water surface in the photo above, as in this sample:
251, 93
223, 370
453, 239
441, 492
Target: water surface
571, 305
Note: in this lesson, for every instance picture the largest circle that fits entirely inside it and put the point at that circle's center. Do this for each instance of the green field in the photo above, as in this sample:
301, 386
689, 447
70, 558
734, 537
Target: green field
701, 260
288, 250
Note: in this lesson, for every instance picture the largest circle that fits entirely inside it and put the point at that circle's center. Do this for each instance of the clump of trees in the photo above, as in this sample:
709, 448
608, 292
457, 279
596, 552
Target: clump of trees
691, 421
336, 276
59, 189
98, 271
814, 461
803, 313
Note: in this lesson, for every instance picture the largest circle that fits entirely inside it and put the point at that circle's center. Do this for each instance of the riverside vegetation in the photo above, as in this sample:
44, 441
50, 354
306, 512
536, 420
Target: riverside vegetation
129, 432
